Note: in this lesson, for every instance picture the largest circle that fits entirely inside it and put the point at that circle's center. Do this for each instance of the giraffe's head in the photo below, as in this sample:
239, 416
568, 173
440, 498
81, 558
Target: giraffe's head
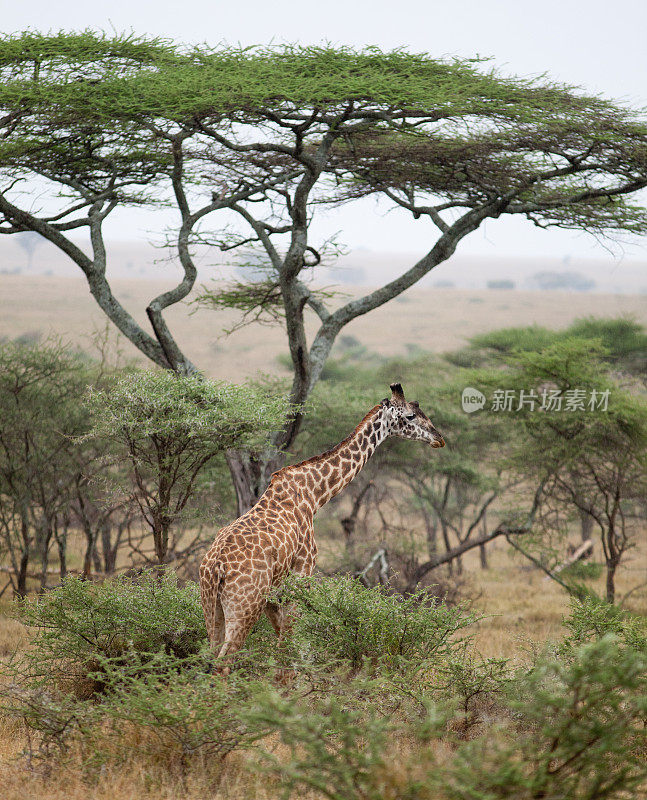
408, 421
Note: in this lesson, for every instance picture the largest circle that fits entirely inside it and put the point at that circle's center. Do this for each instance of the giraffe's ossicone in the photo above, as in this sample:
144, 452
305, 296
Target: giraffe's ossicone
253, 553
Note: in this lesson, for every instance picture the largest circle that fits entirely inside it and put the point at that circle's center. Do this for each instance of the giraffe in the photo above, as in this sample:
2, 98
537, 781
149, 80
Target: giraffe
254, 553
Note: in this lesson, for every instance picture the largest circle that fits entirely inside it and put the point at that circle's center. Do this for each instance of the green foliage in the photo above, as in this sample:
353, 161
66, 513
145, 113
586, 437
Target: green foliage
81, 624
583, 571
185, 710
592, 618
343, 622
334, 751
587, 723
624, 341
559, 437
258, 301
40, 385
170, 428
574, 731
507, 340
191, 411
220, 79
471, 682
41, 464
155, 706
572, 725
86, 87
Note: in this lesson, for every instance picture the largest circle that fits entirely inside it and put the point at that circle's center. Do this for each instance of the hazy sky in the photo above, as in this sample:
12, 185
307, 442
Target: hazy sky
597, 44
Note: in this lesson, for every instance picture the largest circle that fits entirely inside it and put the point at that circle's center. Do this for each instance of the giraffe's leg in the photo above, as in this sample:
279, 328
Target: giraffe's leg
212, 607
281, 618
236, 630
215, 622
242, 605
218, 635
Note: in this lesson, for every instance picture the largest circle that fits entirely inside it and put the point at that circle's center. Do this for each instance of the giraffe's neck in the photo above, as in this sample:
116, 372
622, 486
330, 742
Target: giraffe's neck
320, 478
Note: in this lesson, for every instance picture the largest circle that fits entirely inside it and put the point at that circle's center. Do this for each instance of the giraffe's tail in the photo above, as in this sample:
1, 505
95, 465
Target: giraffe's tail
211, 579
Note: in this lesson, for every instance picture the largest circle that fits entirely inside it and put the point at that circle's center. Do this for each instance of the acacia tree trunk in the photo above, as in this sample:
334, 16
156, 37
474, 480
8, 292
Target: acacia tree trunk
448, 547
160, 538
21, 577
60, 534
482, 552
110, 549
613, 555
611, 581
44, 542
90, 541
251, 475
431, 530
586, 525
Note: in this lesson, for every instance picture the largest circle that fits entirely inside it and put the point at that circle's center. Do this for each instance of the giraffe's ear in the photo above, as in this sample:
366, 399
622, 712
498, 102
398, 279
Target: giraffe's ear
397, 394
385, 403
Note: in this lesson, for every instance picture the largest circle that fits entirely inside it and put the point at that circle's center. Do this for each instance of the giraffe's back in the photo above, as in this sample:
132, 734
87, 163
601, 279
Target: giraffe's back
262, 545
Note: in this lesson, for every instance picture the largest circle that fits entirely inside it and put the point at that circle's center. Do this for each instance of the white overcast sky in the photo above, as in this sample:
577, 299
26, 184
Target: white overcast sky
596, 44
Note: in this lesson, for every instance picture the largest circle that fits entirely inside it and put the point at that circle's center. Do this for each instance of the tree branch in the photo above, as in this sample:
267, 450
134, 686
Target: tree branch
500, 530
95, 274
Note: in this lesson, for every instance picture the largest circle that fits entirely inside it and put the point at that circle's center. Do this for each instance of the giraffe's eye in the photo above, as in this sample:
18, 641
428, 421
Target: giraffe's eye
410, 417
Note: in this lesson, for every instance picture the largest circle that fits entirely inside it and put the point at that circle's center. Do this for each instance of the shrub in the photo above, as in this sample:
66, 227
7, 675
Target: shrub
591, 618
340, 620
476, 686
182, 711
577, 732
583, 571
338, 753
80, 624
582, 732
157, 707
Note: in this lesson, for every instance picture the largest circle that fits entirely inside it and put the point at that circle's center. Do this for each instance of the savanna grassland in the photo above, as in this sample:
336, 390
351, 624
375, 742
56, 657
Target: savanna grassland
434, 320
520, 608
522, 611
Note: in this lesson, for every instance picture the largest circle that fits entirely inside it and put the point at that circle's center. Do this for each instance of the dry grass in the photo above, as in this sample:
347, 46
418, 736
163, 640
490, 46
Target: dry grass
435, 320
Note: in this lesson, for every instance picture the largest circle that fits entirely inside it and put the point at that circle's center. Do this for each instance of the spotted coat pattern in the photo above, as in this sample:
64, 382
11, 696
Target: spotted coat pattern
276, 536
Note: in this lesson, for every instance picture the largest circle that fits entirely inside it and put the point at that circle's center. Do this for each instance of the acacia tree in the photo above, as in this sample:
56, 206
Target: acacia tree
587, 454
169, 429
625, 348
40, 414
268, 137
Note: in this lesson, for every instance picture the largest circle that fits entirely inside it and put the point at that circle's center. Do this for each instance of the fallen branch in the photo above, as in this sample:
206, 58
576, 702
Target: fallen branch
572, 590
585, 549
383, 574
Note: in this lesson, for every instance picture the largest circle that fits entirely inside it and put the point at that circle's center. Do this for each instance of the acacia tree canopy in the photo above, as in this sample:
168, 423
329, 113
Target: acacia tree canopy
589, 457
169, 428
270, 135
